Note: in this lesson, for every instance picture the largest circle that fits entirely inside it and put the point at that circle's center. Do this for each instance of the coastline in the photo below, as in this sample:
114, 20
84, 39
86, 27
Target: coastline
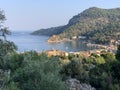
111, 48
58, 41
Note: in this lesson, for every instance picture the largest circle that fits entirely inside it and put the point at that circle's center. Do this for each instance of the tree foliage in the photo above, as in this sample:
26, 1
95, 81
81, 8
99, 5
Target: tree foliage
6, 47
118, 53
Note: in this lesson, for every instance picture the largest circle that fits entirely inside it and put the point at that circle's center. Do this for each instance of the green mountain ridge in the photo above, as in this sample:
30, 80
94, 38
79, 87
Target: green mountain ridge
49, 31
98, 25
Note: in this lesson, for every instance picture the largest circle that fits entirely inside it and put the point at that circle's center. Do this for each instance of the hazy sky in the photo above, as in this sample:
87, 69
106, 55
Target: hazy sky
36, 14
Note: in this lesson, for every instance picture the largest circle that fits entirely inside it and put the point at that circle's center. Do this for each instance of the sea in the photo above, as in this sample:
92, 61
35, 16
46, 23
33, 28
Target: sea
26, 42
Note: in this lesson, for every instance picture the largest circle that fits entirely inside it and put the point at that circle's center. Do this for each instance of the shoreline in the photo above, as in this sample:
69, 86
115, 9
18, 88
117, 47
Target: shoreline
58, 41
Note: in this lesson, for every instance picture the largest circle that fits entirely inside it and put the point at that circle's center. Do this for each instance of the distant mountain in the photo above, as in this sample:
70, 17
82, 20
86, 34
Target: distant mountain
49, 31
98, 25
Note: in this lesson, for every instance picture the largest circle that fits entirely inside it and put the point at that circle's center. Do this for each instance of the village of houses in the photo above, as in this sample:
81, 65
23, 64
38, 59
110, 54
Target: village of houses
109, 48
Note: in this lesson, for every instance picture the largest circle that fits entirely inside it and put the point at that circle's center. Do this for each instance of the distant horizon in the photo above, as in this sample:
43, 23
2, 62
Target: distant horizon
34, 15
32, 30
24, 30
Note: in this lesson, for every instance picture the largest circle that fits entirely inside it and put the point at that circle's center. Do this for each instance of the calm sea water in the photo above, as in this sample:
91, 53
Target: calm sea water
27, 42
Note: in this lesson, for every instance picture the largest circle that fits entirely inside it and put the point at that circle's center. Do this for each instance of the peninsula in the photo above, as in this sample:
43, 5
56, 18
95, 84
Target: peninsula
97, 25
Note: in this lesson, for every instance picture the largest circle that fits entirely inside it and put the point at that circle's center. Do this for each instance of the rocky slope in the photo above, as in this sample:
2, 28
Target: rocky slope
74, 84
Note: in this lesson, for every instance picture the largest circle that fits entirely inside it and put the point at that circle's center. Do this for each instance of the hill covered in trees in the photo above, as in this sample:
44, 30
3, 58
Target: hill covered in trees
98, 25
50, 31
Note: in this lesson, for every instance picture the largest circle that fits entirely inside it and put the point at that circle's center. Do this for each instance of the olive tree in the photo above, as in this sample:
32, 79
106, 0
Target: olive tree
6, 47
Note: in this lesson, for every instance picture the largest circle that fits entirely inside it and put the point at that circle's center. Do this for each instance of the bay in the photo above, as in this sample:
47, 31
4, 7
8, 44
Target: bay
27, 42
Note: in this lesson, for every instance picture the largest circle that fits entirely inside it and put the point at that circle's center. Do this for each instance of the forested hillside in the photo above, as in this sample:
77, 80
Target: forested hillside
50, 31
98, 25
